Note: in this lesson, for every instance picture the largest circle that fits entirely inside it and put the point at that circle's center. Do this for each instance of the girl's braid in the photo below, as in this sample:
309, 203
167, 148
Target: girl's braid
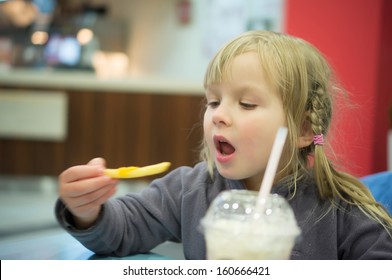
319, 109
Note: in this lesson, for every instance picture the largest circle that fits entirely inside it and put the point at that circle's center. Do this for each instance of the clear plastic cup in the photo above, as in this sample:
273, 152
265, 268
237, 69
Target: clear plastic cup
235, 229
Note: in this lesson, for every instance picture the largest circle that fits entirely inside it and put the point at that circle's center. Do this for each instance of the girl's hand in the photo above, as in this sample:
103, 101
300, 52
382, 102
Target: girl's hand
84, 188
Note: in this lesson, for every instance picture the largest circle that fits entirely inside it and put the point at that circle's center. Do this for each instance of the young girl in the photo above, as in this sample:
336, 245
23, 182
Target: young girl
255, 84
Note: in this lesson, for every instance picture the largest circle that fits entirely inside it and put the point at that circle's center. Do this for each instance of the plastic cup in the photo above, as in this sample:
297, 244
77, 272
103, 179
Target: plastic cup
235, 229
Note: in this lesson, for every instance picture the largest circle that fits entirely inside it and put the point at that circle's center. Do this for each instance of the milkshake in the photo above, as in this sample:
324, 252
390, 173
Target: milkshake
236, 227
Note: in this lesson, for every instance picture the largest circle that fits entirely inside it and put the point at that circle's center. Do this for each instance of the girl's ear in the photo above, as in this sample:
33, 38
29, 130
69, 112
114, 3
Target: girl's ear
305, 138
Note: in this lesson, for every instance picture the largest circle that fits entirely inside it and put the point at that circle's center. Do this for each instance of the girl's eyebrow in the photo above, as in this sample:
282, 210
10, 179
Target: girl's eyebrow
212, 87
212, 90
242, 89
250, 89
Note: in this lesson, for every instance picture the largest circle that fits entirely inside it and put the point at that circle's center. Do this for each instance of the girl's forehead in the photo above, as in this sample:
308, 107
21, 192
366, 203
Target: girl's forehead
223, 67
242, 67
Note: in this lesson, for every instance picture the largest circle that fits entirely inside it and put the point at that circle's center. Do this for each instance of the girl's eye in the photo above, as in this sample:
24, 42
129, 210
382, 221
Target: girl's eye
213, 103
248, 106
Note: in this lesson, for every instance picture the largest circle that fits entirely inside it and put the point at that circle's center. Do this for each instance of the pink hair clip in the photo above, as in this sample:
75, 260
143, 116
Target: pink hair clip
318, 139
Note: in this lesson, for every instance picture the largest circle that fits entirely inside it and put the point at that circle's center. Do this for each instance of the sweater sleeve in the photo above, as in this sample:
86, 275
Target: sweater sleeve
362, 238
134, 223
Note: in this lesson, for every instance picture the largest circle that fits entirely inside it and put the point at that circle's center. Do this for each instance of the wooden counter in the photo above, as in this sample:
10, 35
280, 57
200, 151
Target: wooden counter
87, 80
126, 122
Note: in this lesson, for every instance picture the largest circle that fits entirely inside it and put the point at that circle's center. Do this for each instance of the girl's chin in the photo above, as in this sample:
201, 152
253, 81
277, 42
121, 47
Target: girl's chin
229, 174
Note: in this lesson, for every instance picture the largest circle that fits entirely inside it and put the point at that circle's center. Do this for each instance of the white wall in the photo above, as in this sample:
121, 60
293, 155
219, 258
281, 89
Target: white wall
158, 44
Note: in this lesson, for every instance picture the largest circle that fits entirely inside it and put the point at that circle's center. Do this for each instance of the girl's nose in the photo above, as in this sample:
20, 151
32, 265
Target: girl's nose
221, 116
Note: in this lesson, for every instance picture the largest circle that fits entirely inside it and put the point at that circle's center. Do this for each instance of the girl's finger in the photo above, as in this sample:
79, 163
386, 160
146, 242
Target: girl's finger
96, 200
80, 172
100, 162
86, 186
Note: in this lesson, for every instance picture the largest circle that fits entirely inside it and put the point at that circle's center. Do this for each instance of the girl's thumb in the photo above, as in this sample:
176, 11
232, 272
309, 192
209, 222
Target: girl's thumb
97, 162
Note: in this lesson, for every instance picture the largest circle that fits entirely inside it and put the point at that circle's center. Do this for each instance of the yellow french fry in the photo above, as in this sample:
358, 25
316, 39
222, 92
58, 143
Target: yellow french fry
134, 171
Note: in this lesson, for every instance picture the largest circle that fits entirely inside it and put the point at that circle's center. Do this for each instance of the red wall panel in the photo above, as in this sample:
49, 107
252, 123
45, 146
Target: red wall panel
350, 34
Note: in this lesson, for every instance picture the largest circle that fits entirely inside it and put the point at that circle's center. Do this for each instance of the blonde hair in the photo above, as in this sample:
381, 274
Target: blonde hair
306, 83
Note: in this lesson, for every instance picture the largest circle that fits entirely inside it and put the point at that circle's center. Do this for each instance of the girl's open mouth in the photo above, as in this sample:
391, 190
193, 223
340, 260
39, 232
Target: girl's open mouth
223, 147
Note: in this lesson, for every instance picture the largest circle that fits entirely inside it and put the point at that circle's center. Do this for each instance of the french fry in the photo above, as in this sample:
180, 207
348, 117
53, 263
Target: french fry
135, 172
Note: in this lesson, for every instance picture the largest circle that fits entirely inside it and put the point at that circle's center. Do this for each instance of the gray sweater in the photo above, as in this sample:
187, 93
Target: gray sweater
171, 209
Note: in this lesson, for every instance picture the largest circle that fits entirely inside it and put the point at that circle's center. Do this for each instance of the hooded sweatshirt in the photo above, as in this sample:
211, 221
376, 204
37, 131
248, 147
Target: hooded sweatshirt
171, 208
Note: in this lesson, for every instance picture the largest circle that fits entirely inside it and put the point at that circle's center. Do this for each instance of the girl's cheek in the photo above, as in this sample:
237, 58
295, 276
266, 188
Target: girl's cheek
206, 121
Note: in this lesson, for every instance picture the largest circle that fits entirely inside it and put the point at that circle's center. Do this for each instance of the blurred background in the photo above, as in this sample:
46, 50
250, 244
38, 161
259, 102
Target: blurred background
123, 80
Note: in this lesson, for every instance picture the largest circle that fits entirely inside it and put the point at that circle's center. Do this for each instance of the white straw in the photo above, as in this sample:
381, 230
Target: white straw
272, 165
